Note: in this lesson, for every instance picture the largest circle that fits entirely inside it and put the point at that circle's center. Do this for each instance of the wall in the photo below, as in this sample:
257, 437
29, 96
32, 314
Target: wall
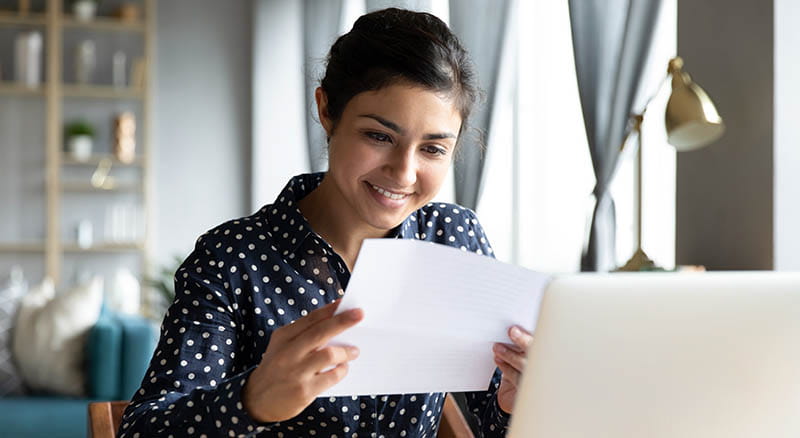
201, 120
787, 135
725, 191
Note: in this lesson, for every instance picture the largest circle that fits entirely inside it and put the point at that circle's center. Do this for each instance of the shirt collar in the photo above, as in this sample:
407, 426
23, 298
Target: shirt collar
288, 228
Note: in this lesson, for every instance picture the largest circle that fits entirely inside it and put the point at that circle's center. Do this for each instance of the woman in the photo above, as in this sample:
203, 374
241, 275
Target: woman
243, 346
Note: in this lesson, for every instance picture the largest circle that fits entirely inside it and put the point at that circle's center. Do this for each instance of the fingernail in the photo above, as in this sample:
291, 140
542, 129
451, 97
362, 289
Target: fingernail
499, 348
354, 314
516, 332
354, 352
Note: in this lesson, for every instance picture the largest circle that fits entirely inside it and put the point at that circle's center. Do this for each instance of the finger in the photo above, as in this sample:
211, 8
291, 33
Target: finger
520, 337
510, 375
330, 356
320, 333
291, 331
323, 381
511, 347
510, 356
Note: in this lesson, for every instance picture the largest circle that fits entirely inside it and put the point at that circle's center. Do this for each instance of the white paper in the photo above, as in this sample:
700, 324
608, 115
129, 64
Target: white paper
431, 316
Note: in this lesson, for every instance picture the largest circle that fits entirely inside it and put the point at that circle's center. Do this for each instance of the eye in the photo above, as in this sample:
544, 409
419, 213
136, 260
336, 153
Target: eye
435, 150
379, 137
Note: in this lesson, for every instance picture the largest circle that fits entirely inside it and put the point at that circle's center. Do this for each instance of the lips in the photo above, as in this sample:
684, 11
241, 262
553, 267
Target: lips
388, 194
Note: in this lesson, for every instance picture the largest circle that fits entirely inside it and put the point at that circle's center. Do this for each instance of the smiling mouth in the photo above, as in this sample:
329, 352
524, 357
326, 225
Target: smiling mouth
389, 194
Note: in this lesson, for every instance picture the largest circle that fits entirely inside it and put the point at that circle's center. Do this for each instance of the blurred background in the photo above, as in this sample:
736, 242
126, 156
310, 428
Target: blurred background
130, 127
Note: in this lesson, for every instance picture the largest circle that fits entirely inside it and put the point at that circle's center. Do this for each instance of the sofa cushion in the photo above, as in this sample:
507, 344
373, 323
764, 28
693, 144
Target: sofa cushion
10, 380
139, 339
104, 357
38, 416
51, 333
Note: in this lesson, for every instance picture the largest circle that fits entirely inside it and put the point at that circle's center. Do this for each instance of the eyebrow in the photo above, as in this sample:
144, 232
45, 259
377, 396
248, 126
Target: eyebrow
396, 128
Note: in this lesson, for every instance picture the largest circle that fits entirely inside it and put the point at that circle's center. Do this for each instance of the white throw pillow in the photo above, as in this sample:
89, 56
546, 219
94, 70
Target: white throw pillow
10, 296
50, 336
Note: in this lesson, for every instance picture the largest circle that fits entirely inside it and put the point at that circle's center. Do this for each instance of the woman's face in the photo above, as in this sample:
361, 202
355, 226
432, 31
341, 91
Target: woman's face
390, 151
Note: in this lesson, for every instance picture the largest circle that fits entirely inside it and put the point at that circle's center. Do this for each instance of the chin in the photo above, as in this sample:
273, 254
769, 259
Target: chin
385, 222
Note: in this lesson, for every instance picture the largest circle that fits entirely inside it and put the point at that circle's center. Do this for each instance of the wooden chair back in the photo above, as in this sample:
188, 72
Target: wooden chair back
453, 424
105, 417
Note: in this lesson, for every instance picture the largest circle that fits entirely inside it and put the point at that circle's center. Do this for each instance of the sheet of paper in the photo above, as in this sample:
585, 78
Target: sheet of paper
431, 315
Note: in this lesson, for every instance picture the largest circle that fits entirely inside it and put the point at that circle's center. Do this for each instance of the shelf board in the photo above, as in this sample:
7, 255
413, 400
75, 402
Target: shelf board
94, 160
32, 247
104, 23
101, 91
8, 88
81, 187
16, 19
104, 247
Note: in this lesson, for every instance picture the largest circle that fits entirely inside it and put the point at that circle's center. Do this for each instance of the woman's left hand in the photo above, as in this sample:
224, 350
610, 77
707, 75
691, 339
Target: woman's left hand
510, 358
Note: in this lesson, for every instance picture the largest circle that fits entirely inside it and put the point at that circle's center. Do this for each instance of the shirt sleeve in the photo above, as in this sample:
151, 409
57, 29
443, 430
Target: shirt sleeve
491, 420
193, 385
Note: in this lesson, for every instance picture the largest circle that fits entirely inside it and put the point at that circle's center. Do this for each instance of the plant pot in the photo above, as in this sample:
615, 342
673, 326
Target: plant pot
84, 10
79, 147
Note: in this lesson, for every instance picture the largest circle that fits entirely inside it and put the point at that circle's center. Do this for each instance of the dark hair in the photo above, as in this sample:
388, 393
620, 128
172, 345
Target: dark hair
391, 46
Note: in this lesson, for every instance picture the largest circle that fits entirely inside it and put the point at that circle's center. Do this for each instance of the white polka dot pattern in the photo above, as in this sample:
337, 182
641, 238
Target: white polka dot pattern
248, 277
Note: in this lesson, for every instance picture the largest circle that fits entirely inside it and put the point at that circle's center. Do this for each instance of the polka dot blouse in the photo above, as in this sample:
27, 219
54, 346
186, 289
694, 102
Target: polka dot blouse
244, 279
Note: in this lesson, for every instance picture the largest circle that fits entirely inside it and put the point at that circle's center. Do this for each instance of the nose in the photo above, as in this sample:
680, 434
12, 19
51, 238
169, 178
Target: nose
402, 167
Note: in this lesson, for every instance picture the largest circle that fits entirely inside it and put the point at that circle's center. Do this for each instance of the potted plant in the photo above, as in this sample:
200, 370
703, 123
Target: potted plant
84, 10
80, 136
163, 283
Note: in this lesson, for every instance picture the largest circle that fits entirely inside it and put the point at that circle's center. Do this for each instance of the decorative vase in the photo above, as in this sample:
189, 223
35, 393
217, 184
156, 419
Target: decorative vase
28, 58
79, 147
84, 10
125, 294
125, 137
84, 62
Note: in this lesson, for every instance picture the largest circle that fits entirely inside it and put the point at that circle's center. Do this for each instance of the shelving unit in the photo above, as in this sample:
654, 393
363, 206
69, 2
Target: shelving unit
55, 93
30, 19
95, 160
12, 89
24, 247
104, 24
88, 188
105, 247
101, 92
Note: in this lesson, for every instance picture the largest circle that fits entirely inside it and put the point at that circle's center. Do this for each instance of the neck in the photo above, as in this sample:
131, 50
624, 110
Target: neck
329, 216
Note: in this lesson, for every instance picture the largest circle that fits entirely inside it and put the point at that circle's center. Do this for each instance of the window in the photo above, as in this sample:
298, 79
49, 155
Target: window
536, 200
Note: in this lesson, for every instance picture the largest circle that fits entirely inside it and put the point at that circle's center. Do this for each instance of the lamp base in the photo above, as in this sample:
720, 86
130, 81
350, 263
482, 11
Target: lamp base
639, 262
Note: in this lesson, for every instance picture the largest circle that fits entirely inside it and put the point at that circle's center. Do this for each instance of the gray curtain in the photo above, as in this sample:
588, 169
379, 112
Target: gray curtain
481, 25
321, 23
413, 5
611, 40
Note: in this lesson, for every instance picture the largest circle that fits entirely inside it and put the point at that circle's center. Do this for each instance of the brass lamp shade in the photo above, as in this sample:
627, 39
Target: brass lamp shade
691, 119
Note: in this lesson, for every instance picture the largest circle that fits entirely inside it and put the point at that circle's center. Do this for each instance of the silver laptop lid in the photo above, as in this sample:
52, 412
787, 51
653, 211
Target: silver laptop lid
664, 355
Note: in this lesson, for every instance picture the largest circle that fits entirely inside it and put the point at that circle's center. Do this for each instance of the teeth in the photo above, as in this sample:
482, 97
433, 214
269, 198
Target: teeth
388, 194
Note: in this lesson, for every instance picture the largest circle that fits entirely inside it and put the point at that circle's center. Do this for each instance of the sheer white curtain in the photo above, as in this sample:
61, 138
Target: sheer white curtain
536, 192
279, 103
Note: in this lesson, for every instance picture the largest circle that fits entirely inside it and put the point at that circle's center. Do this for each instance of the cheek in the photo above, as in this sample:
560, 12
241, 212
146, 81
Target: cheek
351, 158
433, 177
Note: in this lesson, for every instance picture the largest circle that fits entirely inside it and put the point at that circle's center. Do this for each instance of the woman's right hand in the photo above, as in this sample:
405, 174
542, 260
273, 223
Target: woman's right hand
297, 365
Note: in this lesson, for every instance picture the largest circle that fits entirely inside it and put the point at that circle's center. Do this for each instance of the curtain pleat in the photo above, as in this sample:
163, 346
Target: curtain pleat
611, 40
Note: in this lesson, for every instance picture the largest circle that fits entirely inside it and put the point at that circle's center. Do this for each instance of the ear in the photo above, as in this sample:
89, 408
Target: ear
322, 111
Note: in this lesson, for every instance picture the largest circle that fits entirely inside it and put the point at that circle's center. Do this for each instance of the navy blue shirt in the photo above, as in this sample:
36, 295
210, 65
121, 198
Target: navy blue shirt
244, 279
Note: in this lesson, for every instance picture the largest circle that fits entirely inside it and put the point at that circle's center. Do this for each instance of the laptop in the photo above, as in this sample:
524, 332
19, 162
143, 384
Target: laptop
664, 355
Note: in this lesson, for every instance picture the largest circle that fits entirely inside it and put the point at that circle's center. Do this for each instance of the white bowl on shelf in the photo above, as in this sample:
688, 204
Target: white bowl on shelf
79, 147
84, 10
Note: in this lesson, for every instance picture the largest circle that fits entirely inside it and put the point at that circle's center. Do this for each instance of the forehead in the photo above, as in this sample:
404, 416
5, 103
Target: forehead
409, 106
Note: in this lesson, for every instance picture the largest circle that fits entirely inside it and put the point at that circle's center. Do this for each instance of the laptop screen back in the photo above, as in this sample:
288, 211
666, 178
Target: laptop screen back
664, 355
